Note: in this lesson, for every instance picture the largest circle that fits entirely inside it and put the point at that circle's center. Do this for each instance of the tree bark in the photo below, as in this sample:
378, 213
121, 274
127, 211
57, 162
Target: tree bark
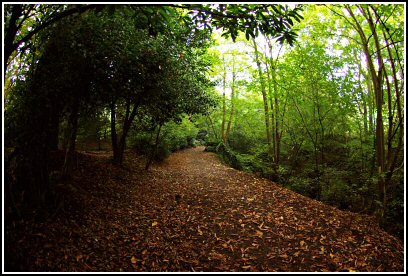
208, 117
118, 147
377, 78
265, 100
232, 110
224, 103
154, 149
272, 111
392, 155
114, 135
70, 153
54, 132
276, 135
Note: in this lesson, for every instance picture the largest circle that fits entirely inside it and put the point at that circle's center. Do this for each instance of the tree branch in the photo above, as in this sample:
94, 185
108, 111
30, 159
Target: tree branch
11, 48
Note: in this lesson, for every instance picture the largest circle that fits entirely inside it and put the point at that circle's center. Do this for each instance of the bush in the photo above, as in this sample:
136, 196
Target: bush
202, 136
337, 193
162, 152
247, 162
240, 142
141, 143
228, 156
173, 136
394, 216
211, 146
180, 135
300, 185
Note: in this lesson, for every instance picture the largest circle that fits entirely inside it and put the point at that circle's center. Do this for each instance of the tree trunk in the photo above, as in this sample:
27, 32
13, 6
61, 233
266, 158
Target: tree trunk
377, 78
68, 167
275, 110
208, 117
265, 100
54, 132
119, 147
363, 99
392, 155
232, 102
369, 100
114, 135
154, 149
277, 136
380, 124
224, 103
272, 111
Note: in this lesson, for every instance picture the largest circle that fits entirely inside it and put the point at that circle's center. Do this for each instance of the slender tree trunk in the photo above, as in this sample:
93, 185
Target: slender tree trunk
272, 111
277, 135
114, 135
125, 130
265, 100
365, 114
70, 153
381, 161
364, 101
119, 146
275, 110
212, 126
232, 110
393, 154
377, 78
154, 149
224, 103
369, 100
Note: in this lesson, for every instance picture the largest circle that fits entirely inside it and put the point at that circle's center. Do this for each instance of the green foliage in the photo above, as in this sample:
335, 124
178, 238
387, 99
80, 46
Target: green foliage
241, 142
93, 130
173, 136
144, 144
211, 146
335, 190
395, 214
180, 135
301, 185
229, 156
141, 142
274, 20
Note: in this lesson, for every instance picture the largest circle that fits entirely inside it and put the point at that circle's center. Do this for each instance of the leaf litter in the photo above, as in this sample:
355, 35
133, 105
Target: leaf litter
193, 213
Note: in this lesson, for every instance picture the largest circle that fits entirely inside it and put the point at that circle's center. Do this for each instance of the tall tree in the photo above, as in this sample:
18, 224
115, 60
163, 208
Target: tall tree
264, 97
379, 73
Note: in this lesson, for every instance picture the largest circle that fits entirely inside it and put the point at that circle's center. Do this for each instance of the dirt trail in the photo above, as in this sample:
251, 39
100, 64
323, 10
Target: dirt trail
193, 213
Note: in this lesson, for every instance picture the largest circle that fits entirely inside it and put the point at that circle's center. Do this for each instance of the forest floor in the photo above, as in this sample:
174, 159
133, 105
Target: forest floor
127, 219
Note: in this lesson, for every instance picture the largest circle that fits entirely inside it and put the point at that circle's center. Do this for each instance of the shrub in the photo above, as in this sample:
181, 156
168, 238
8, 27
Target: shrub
228, 156
337, 193
173, 136
300, 185
211, 146
162, 152
141, 143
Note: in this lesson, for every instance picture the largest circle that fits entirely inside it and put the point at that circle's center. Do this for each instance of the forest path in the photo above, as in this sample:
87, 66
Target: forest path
226, 220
